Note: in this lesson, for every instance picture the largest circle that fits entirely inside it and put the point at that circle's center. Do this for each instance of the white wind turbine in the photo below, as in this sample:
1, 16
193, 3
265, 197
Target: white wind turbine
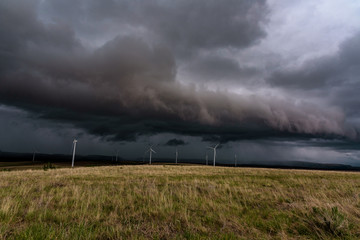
214, 148
34, 154
176, 155
73, 155
150, 150
206, 158
235, 159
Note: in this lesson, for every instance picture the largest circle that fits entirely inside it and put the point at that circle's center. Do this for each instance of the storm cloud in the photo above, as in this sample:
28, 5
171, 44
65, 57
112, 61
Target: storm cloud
341, 68
111, 68
175, 142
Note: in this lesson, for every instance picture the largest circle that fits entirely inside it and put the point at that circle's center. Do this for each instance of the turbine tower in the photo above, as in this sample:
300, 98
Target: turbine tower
214, 148
34, 153
150, 150
74, 149
176, 155
235, 158
206, 158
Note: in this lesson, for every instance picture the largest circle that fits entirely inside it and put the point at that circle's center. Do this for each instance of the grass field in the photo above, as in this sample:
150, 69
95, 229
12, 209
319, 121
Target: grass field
179, 202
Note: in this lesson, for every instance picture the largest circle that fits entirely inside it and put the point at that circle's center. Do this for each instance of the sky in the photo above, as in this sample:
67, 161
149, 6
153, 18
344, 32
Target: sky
269, 80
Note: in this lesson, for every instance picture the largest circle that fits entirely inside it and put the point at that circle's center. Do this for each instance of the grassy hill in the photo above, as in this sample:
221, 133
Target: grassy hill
179, 202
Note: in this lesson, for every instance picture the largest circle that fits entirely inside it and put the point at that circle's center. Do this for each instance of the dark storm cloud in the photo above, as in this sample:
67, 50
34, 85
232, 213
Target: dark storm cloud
183, 24
175, 142
129, 127
126, 87
338, 144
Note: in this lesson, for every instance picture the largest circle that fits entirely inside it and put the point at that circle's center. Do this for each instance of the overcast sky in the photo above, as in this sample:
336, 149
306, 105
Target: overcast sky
269, 80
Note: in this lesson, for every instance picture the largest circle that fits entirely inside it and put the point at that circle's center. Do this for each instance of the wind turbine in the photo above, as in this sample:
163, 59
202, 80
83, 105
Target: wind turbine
150, 150
235, 158
176, 155
73, 155
214, 148
206, 158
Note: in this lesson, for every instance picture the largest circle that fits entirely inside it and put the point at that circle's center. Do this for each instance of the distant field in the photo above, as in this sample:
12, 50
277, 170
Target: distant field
29, 165
179, 202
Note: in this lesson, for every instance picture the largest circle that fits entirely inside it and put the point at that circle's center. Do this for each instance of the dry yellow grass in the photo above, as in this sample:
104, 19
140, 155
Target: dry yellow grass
179, 202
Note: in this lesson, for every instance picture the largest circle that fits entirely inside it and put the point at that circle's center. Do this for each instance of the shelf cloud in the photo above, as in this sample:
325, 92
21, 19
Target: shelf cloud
116, 69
